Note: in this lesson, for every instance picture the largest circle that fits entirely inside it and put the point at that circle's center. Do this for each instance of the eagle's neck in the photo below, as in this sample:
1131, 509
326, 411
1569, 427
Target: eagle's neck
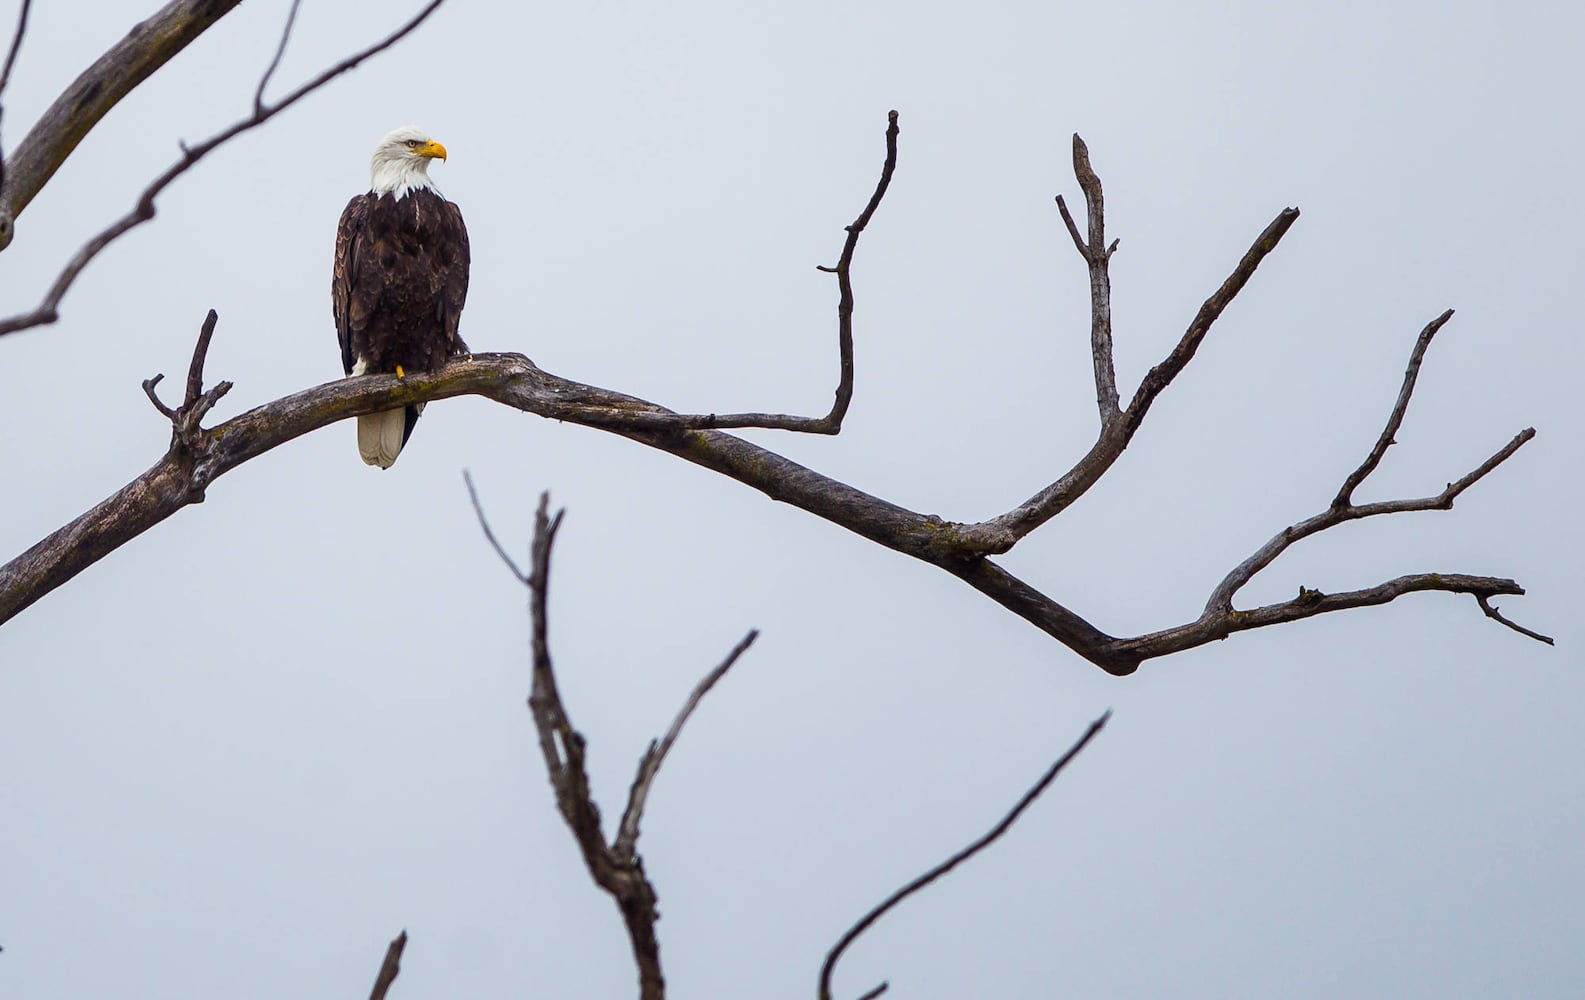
400, 175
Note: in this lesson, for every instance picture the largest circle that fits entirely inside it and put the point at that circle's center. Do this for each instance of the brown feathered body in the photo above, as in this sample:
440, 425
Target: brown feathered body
400, 280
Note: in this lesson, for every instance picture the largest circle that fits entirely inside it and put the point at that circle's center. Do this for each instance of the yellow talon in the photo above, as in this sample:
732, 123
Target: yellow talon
400, 373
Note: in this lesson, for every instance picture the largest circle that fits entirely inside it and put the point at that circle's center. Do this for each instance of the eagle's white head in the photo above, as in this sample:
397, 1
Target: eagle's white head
401, 162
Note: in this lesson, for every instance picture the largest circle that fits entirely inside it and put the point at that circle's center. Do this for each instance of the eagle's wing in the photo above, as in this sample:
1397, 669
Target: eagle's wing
453, 274
344, 277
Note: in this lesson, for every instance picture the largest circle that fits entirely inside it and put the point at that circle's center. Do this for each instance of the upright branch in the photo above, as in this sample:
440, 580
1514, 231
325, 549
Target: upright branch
16, 46
47, 310
389, 968
187, 431
990, 837
1389, 433
5, 78
275, 61
616, 867
626, 843
831, 423
844, 273
1098, 256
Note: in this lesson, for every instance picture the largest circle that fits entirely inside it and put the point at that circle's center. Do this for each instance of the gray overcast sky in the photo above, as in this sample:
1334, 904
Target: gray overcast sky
242, 752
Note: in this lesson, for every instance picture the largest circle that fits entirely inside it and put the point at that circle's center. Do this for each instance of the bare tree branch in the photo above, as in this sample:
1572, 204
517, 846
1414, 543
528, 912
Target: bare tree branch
1495, 615
1221, 599
617, 868
147, 47
187, 419
1001, 533
143, 211
626, 843
1073, 229
11, 54
831, 423
389, 968
275, 62
181, 477
961, 856
1345, 494
1098, 260
489, 535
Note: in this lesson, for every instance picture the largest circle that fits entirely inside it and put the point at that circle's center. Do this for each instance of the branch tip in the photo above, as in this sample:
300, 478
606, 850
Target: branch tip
390, 967
1497, 616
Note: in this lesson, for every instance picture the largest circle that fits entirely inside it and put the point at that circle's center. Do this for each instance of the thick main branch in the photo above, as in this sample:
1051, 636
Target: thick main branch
186, 471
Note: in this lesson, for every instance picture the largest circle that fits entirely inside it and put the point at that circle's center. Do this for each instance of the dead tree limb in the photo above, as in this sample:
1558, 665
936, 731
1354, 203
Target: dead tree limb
47, 310
389, 968
148, 46
990, 837
616, 867
198, 456
5, 79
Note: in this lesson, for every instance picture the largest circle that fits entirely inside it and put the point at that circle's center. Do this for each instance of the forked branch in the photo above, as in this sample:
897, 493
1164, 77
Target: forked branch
616, 867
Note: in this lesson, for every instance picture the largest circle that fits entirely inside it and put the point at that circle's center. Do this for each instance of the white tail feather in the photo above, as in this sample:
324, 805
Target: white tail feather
380, 437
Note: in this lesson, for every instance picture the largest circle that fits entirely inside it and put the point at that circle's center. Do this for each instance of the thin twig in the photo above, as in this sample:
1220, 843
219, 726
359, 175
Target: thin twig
5, 78
150, 387
626, 842
389, 968
1345, 494
1495, 615
488, 534
832, 421
280, 50
143, 211
956, 859
16, 45
1073, 229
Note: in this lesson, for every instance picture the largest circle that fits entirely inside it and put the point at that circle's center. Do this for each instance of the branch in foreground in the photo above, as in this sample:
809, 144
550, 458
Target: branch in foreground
147, 47
961, 856
143, 210
617, 868
389, 968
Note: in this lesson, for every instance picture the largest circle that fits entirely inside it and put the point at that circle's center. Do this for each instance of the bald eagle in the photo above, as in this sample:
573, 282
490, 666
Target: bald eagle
400, 278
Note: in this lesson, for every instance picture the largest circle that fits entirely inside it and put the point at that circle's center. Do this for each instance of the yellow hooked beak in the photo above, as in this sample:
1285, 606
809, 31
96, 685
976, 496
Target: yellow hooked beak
431, 149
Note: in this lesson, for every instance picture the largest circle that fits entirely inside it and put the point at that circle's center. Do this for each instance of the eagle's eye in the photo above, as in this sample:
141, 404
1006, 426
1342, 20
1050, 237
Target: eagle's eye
413, 144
